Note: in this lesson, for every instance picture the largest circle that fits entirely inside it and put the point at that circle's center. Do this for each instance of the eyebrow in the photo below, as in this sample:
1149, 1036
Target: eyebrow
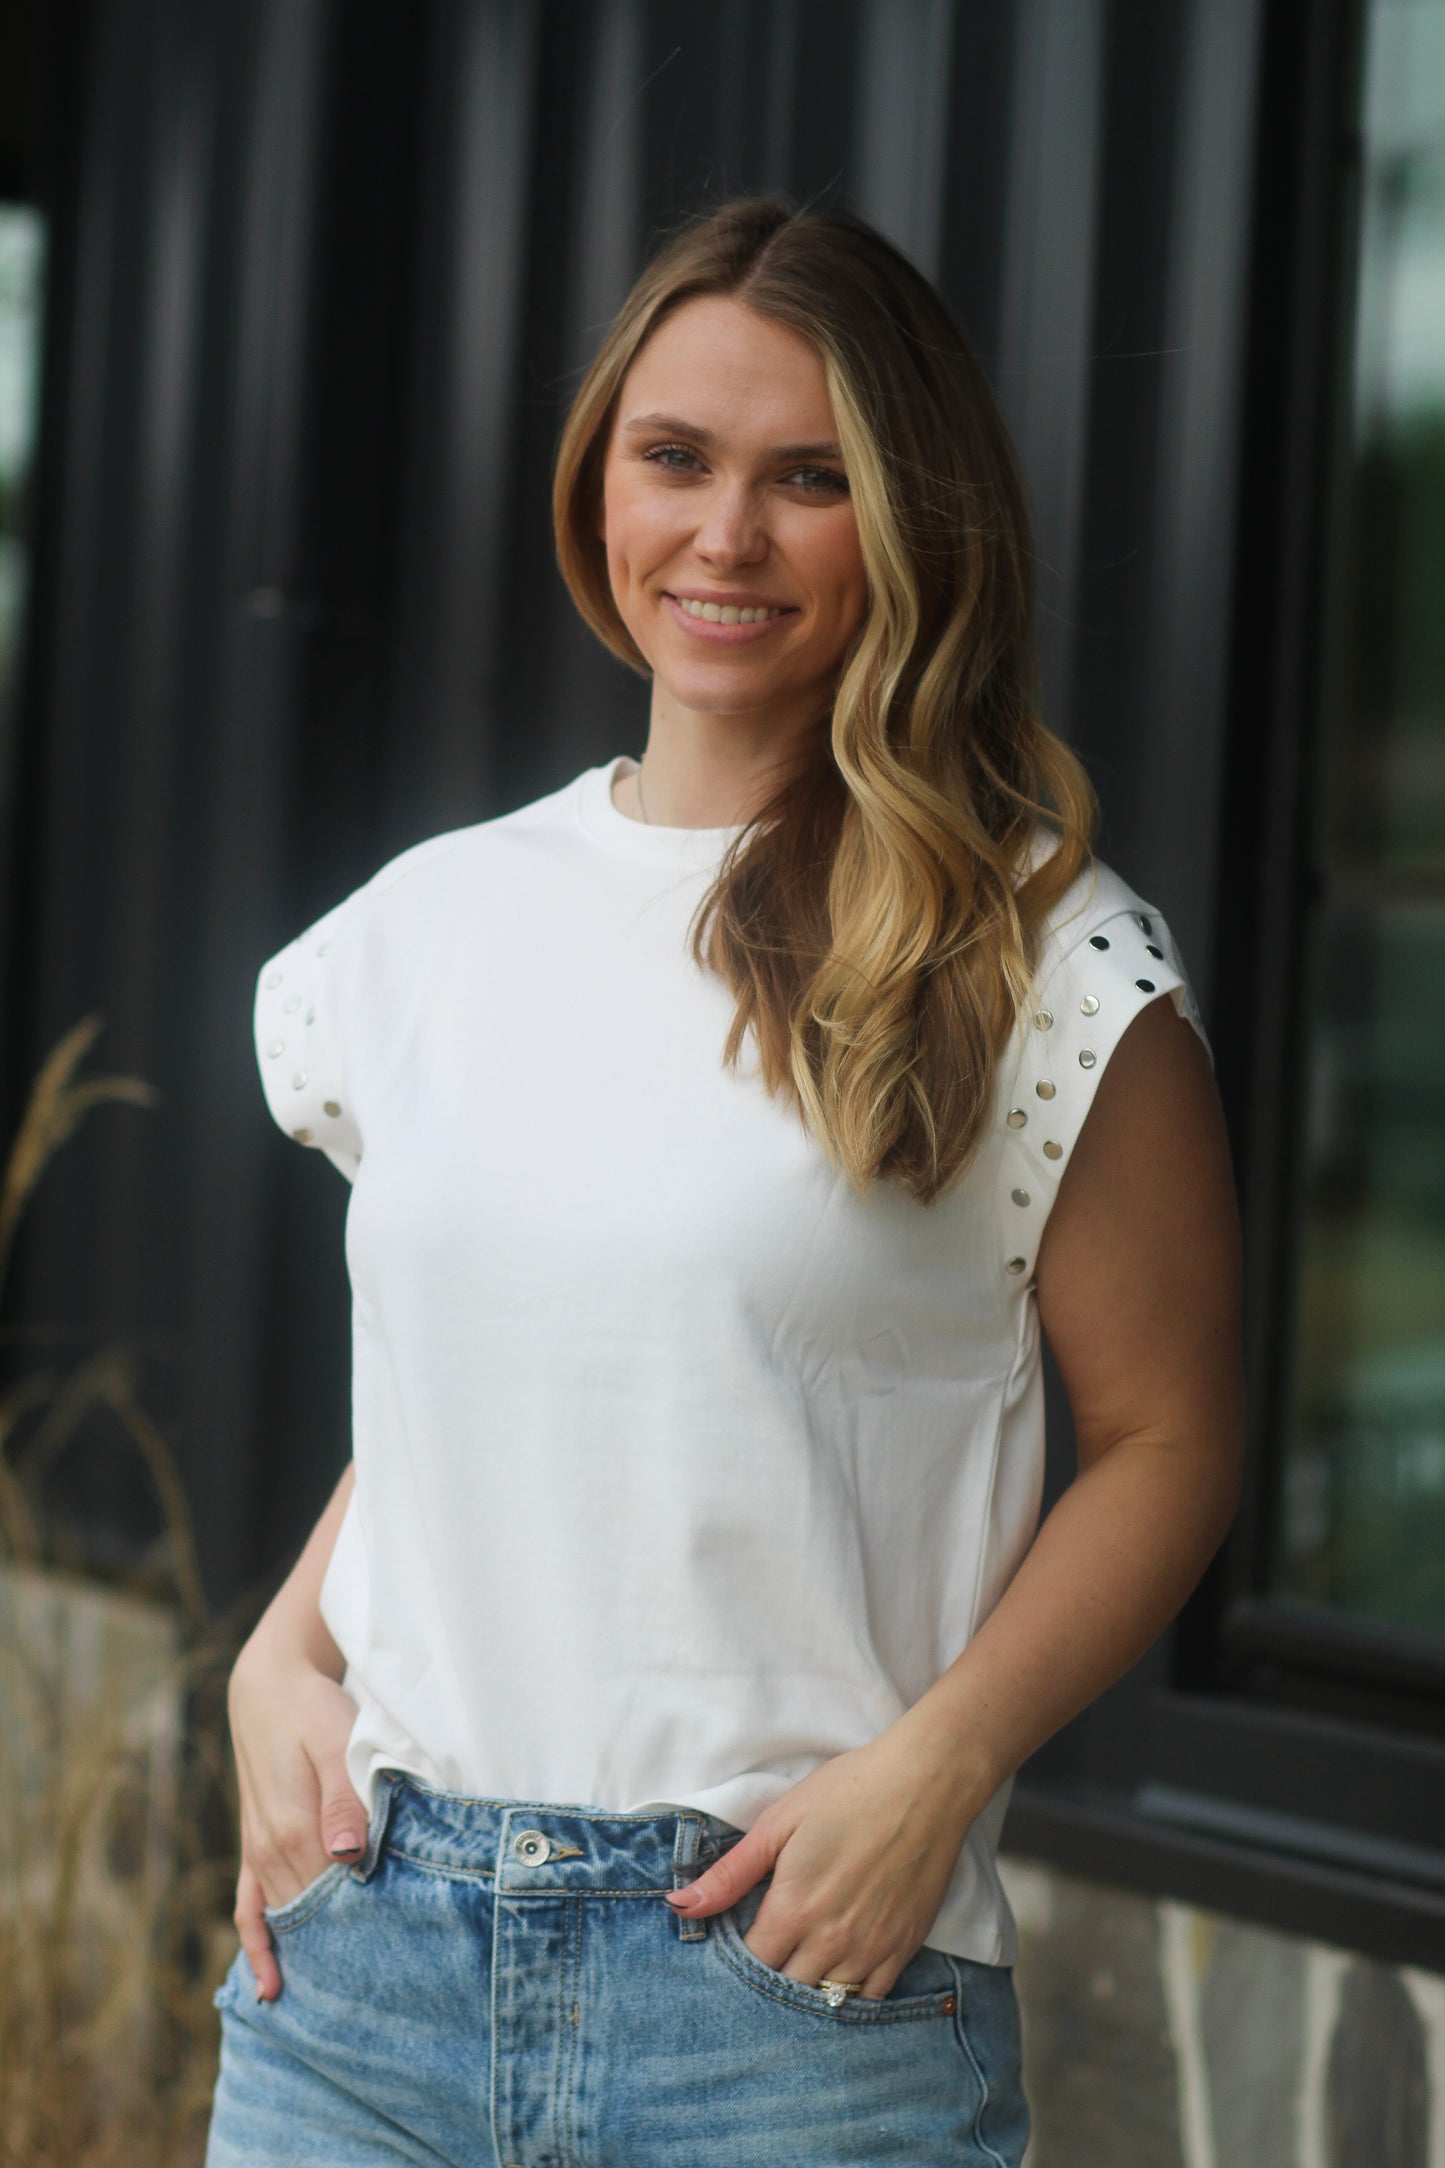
675, 426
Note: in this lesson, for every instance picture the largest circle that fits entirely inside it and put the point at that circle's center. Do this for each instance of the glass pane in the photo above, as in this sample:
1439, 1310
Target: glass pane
22, 246
1362, 1522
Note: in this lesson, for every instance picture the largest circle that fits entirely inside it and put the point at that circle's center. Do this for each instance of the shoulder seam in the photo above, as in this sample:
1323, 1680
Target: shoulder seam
413, 858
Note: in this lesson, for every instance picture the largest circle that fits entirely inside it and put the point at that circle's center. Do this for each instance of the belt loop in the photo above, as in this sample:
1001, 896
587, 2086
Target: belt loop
387, 1784
685, 1869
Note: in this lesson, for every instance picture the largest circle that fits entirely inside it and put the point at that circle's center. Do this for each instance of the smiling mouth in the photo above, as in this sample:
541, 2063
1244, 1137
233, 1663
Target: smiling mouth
730, 613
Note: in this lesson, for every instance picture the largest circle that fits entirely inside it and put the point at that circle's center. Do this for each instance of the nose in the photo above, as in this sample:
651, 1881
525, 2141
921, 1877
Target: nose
731, 531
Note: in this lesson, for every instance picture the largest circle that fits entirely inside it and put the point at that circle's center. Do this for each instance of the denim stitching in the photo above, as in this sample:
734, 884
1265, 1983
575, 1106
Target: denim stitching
488, 1874
320, 1891
912, 2010
573, 1947
437, 1866
977, 2068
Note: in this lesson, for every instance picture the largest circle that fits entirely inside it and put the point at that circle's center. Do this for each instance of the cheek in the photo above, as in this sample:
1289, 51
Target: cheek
840, 574
630, 531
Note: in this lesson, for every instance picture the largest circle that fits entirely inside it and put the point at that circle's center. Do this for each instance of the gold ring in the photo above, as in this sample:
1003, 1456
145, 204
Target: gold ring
838, 1991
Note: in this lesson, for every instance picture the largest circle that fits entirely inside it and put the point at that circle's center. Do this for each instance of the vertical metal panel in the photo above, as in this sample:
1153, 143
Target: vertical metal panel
904, 75
480, 93
335, 274
1197, 474
1042, 372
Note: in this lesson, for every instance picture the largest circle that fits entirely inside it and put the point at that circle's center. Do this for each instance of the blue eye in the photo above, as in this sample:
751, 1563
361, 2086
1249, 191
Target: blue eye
823, 479
681, 459
662, 455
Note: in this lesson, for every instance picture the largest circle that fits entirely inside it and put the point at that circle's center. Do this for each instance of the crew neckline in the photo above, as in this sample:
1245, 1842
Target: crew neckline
647, 840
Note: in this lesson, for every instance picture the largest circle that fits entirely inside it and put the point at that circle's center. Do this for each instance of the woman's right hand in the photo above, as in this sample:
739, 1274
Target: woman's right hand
290, 1724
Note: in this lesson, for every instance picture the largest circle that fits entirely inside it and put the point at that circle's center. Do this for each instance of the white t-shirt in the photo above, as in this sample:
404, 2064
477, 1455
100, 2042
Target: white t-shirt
679, 1467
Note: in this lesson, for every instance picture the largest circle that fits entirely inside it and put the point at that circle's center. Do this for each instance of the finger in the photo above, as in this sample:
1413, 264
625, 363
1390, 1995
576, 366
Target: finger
289, 1857
343, 1815
878, 1982
256, 1936
730, 1877
872, 1981
281, 1846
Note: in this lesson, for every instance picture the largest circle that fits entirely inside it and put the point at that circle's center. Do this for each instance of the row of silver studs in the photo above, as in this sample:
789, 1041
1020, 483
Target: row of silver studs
1018, 1119
277, 1047
1088, 1059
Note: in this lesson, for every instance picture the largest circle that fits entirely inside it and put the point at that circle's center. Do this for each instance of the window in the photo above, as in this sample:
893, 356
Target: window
22, 254
1360, 1530
1281, 1752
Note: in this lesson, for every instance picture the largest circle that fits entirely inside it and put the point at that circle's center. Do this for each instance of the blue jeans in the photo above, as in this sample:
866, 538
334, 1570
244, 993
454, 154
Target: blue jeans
498, 1984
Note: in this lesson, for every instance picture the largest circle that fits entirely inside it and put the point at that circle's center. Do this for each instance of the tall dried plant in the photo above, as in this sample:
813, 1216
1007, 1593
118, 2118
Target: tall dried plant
117, 1836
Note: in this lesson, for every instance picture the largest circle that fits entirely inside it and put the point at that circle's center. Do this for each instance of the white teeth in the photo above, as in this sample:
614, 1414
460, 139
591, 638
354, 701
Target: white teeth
728, 613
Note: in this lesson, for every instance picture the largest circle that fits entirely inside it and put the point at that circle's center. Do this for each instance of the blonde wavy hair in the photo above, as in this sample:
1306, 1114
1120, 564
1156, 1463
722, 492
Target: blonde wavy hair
879, 918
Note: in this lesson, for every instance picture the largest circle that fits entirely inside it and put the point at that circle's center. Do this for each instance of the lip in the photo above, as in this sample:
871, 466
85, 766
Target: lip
700, 628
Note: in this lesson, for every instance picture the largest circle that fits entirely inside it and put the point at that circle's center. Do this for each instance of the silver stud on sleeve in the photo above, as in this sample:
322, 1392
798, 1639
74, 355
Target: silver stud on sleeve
1044, 1020
1020, 1196
298, 1082
1146, 986
1153, 951
1144, 922
302, 1136
1015, 1264
272, 978
333, 1107
1052, 1150
1098, 940
1016, 1118
1087, 1058
277, 1046
291, 1004
310, 1016
1044, 1088
1089, 1006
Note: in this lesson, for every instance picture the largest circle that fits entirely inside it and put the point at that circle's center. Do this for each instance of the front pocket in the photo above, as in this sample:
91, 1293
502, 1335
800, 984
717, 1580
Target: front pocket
281, 1919
925, 1988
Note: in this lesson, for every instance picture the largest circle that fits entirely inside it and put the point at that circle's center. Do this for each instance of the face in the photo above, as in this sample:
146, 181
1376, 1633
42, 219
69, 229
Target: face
724, 492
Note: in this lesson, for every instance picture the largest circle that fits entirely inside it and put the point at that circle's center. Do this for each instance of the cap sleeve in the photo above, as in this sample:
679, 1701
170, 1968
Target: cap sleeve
1110, 963
299, 1043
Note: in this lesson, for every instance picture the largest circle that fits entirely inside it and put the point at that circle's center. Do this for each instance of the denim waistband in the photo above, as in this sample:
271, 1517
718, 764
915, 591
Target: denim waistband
540, 1847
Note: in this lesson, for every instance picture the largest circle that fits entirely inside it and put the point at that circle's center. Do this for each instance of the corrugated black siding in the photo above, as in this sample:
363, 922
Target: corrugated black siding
326, 273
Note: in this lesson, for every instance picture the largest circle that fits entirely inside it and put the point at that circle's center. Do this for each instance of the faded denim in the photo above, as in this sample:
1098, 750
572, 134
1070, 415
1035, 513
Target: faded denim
453, 1998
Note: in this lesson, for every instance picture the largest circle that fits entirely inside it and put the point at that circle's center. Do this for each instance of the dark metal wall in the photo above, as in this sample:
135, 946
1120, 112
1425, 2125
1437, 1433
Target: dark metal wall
326, 275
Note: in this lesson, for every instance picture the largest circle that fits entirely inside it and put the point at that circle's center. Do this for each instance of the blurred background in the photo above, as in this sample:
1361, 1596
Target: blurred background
293, 295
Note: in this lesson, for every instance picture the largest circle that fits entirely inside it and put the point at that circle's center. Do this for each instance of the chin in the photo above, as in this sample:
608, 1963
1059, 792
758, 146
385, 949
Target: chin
715, 694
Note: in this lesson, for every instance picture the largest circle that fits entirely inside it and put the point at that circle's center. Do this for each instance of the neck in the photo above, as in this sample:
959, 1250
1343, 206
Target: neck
707, 771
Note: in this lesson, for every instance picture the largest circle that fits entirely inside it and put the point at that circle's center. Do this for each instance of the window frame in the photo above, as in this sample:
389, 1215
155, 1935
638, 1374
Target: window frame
1258, 1761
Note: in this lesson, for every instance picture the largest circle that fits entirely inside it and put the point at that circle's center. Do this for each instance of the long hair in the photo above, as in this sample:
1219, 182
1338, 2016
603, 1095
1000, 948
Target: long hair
879, 918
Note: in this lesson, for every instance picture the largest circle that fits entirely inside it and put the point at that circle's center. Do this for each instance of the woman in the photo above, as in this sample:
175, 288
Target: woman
723, 1128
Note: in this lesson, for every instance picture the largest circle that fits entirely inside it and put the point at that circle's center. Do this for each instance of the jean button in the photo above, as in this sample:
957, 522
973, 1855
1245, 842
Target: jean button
532, 1847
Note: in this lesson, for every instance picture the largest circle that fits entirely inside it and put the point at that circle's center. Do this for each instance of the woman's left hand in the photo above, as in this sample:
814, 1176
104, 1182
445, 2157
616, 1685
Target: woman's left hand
862, 1850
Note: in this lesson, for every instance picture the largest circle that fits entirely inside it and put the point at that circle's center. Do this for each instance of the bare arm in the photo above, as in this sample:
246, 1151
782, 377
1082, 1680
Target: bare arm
291, 1721
292, 1621
1138, 1284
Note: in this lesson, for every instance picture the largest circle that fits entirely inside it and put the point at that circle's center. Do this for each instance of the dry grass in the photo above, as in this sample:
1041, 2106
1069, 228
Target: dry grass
117, 1820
